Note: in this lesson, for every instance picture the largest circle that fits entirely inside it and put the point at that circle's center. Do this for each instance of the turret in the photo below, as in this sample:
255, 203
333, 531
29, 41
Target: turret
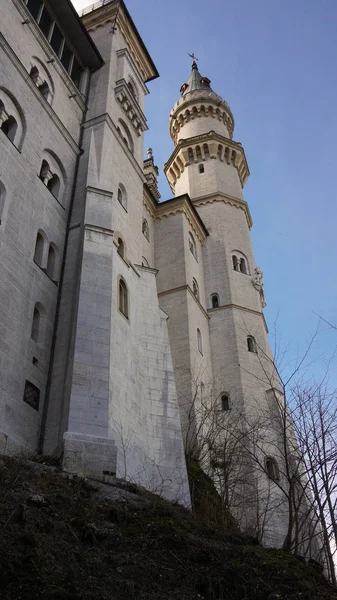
201, 127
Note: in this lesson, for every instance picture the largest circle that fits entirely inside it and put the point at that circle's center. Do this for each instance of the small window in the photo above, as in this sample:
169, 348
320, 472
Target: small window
236, 266
272, 469
123, 298
224, 402
66, 56
35, 324
56, 39
38, 253
53, 185
45, 22
2, 199
201, 169
146, 230
121, 196
121, 248
34, 8
31, 395
243, 266
9, 127
195, 288
251, 344
192, 245
199, 340
215, 300
51, 263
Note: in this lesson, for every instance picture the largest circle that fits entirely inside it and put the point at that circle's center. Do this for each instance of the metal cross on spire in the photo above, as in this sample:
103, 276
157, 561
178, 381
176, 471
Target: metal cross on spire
192, 56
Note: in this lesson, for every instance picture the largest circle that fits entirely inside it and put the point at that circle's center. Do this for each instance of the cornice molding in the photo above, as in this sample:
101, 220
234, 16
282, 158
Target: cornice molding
238, 307
226, 199
42, 101
188, 289
181, 206
115, 13
219, 148
199, 104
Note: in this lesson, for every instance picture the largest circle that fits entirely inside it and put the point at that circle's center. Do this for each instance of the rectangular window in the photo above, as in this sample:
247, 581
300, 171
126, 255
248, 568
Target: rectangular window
76, 72
45, 22
56, 39
34, 8
66, 56
31, 395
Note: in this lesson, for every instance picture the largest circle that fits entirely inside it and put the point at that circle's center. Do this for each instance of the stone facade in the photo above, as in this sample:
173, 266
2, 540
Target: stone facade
118, 311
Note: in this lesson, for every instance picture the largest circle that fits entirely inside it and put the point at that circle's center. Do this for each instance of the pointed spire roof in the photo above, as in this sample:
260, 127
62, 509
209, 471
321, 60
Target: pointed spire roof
196, 82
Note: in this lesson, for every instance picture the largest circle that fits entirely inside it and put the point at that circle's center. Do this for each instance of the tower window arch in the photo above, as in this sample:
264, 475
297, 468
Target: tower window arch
195, 288
12, 119
39, 248
215, 300
272, 469
199, 340
2, 199
240, 263
52, 262
251, 344
52, 174
123, 298
146, 229
121, 248
224, 398
122, 195
192, 245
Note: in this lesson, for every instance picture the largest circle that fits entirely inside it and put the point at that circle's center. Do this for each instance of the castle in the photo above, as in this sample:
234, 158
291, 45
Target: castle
119, 313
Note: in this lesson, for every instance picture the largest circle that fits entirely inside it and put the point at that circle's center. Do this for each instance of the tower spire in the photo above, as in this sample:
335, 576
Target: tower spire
196, 81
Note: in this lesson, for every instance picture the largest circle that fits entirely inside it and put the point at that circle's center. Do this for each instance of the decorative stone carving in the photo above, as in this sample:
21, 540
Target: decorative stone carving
257, 281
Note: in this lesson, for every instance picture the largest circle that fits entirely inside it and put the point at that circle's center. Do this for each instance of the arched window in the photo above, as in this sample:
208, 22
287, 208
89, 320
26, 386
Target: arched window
190, 156
215, 300
192, 245
35, 324
199, 340
121, 196
236, 266
224, 401
251, 344
121, 247
9, 127
145, 229
125, 134
38, 253
195, 288
123, 300
233, 157
53, 185
51, 262
272, 469
2, 199
201, 168
42, 80
243, 266
198, 153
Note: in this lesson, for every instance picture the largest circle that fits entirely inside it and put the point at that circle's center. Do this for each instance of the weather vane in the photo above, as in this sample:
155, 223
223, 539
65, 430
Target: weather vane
192, 56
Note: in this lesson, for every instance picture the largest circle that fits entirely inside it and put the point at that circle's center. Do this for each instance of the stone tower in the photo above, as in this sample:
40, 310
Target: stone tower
225, 353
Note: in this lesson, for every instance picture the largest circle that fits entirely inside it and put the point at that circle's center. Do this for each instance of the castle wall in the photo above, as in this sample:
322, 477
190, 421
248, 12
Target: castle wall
46, 130
217, 177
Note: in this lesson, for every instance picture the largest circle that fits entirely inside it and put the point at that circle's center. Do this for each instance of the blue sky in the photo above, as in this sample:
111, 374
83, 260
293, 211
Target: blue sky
275, 64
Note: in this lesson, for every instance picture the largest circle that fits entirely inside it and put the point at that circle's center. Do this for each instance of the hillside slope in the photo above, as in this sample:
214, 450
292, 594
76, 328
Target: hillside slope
65, 539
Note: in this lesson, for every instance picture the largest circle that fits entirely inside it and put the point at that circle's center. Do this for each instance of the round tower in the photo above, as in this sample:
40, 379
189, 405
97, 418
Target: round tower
201, 127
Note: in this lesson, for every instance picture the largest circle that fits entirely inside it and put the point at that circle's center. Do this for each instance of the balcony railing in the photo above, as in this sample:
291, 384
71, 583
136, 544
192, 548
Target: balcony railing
92, 7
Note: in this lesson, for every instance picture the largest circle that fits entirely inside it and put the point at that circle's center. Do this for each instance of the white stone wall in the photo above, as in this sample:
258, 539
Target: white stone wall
29, 207
217, 177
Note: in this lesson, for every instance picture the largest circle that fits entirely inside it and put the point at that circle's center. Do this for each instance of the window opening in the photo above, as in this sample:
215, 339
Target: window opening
56, 39
243, 266
272, 468
9, 128
34, 7
224, 402
195, 288
123, 298
199, 338
31, 395
251, 344
35, 325
66, 56
192, 245
215, 300
201, 169
38, 254
120, 248
51, 262
45, 22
